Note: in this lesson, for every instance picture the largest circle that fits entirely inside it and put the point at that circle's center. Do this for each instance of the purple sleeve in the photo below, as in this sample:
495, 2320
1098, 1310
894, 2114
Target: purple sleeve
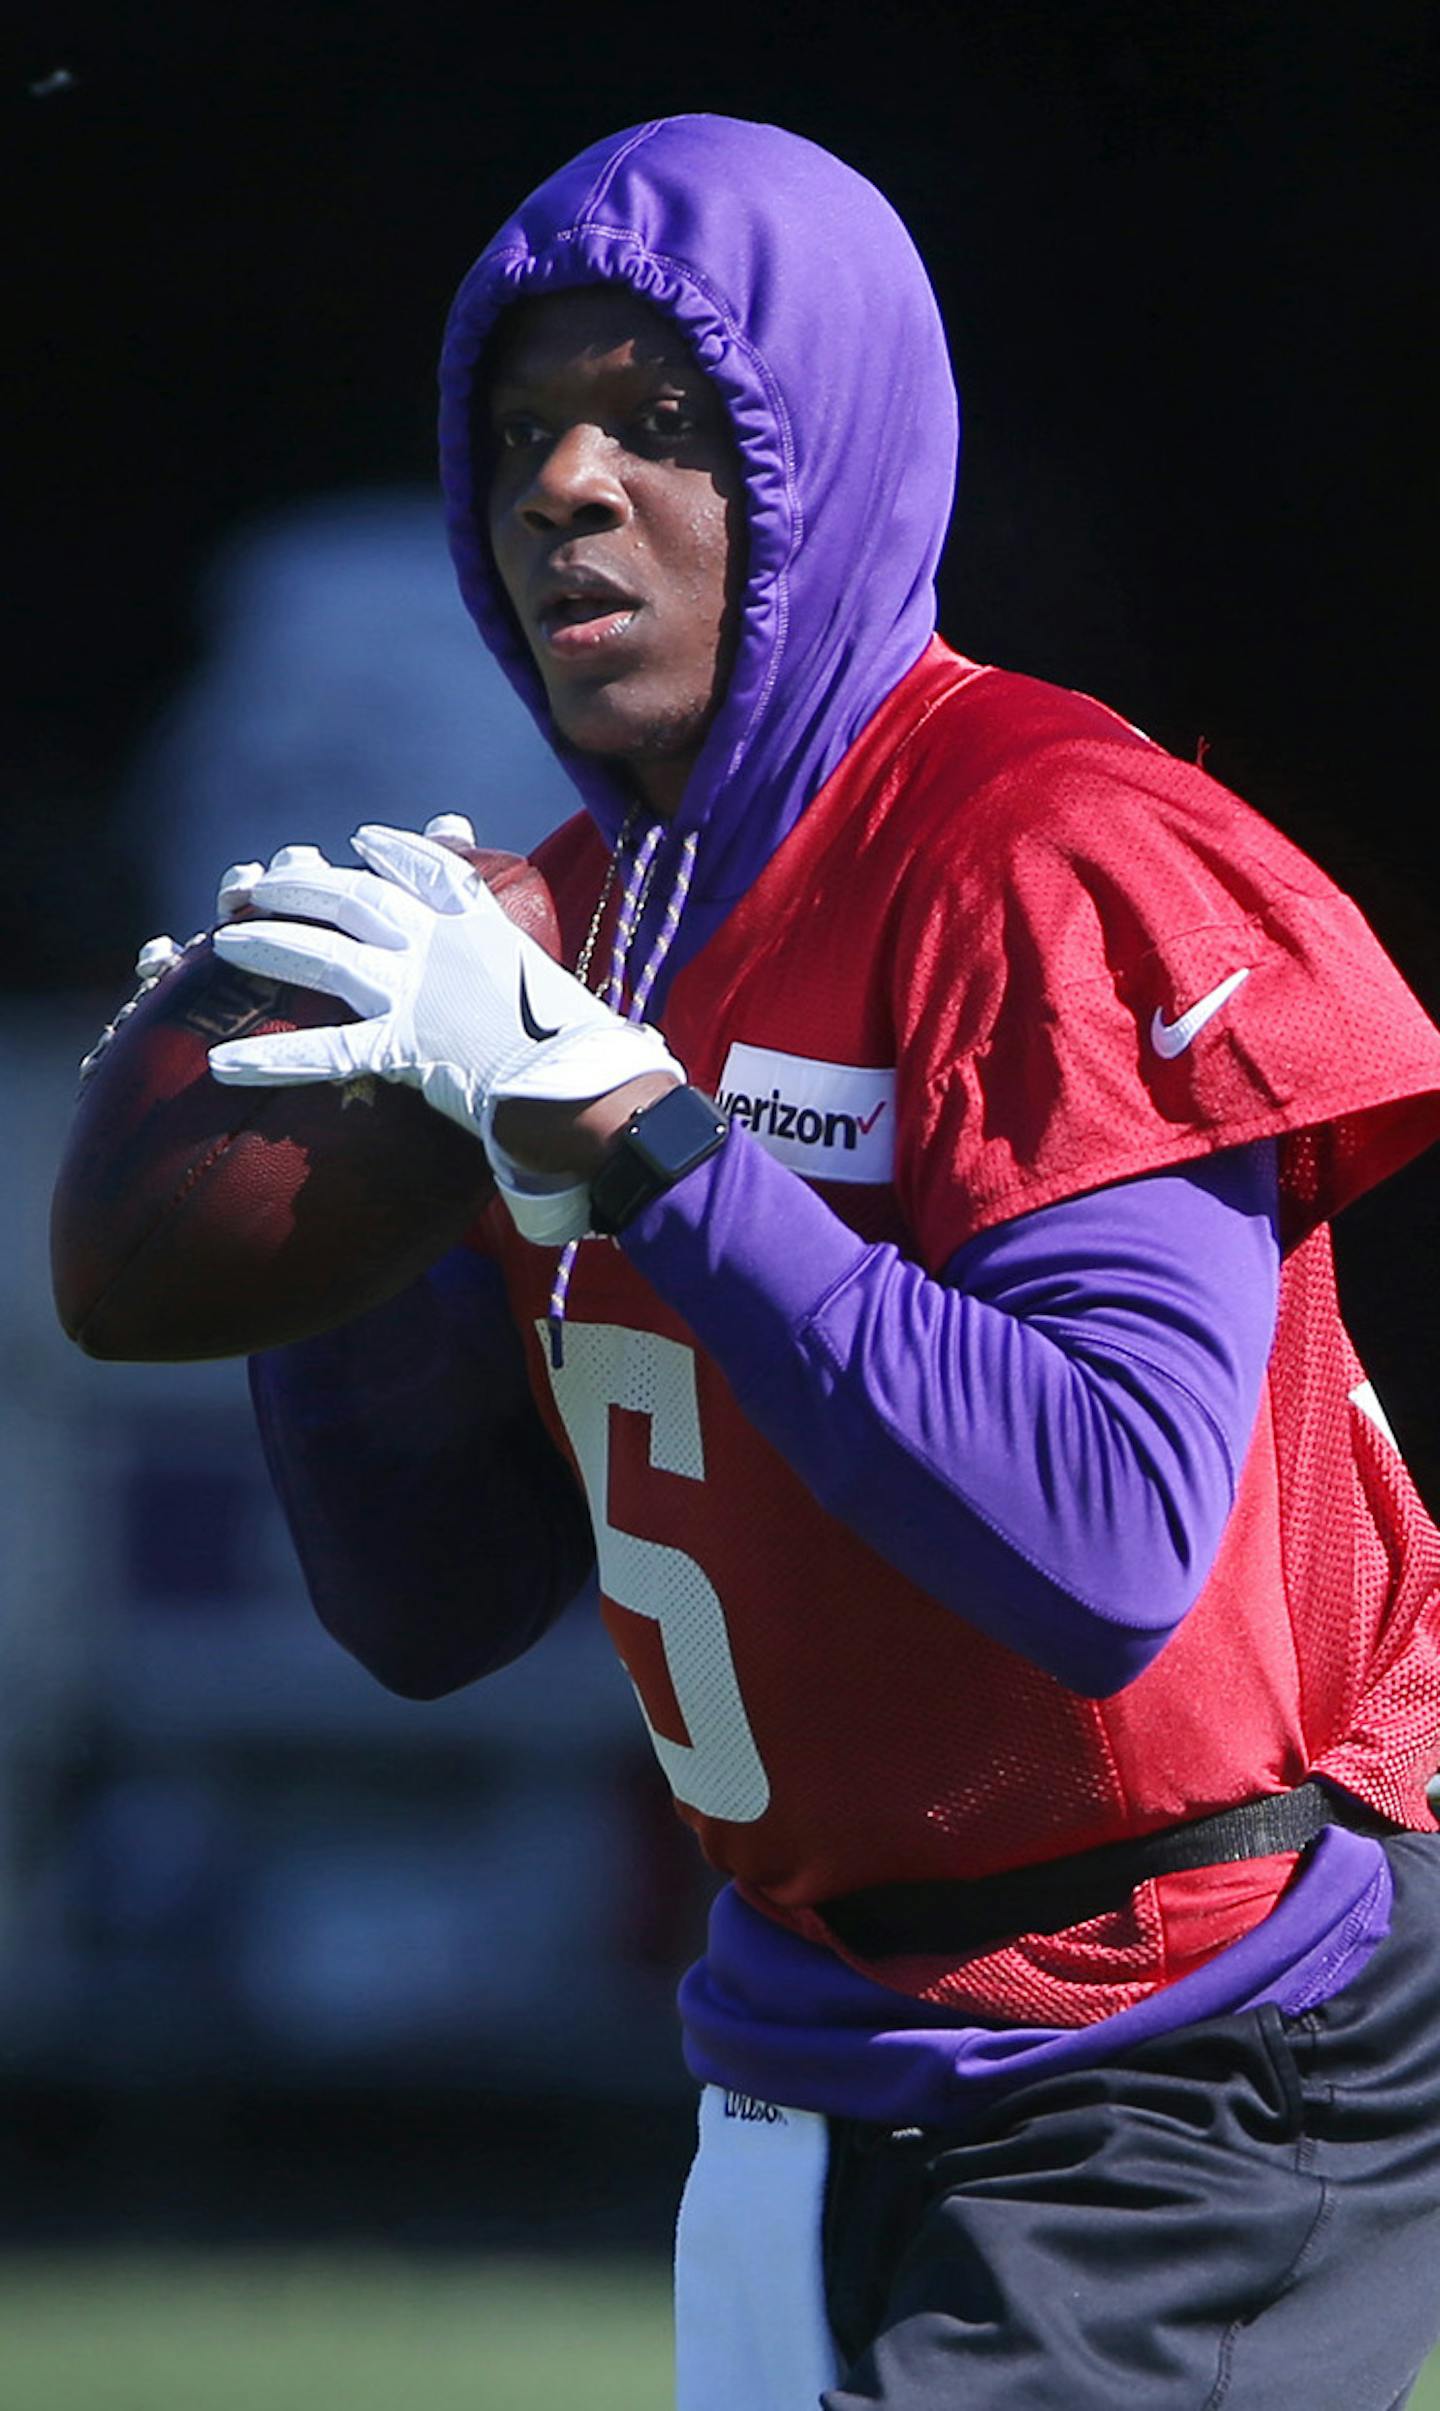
1048, 1438
439, 1530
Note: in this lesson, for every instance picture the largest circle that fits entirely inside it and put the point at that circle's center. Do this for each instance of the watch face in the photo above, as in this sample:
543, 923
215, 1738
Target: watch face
678, 1131
663, 1142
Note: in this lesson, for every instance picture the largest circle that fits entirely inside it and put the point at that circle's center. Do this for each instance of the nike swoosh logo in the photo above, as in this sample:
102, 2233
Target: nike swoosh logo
1170, 1038
532, 1028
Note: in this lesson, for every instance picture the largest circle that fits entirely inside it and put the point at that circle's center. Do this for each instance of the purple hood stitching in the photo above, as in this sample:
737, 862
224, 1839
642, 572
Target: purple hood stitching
803, 298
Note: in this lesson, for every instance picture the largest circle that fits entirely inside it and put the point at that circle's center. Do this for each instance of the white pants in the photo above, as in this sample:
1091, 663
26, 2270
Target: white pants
750, 2326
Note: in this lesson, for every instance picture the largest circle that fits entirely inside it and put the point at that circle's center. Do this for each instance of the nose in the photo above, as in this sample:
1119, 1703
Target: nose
574, 484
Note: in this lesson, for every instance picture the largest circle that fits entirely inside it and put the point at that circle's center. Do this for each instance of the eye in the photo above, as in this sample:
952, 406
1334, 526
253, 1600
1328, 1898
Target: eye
516, 429
667, 421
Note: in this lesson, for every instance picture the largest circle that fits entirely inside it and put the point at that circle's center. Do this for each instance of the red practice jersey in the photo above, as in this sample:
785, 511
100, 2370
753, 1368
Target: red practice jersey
1012, 952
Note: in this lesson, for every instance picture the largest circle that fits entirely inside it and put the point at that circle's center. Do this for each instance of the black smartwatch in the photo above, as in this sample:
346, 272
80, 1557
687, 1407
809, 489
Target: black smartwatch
657, 1147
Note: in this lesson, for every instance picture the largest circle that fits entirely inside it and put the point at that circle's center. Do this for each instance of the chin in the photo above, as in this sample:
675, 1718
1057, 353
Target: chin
661, 738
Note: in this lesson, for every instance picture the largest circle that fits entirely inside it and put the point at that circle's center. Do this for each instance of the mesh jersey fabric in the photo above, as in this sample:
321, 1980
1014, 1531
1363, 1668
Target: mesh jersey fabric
993, 897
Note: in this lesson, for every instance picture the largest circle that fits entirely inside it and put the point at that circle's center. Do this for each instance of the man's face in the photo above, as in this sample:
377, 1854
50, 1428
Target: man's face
616, 523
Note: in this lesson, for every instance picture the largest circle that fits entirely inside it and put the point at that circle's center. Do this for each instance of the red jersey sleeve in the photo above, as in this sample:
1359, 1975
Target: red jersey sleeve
1107, 964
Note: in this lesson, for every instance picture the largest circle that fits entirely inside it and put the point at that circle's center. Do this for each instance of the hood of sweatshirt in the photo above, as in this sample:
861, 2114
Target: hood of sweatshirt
801, 295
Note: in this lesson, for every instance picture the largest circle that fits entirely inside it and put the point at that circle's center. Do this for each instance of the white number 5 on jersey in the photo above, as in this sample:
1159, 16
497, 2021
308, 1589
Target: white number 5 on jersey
718, 1771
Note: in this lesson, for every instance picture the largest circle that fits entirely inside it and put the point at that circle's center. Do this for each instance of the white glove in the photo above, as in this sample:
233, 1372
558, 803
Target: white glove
547, 1210
237, 885
458, 1002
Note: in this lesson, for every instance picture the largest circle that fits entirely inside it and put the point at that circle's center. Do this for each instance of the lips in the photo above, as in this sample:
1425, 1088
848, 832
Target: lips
580, 609
572, 611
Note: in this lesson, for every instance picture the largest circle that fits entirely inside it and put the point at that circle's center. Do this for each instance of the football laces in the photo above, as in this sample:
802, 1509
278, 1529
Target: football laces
157, 958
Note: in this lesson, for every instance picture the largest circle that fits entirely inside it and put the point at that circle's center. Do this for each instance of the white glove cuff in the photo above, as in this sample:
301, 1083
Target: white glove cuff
548, 1217
546, 1207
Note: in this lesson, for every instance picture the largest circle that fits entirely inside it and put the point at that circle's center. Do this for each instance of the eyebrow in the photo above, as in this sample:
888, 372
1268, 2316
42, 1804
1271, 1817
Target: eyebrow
524, 359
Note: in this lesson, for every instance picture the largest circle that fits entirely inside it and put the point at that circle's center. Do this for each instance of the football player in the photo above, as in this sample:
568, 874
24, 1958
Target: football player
910, 1285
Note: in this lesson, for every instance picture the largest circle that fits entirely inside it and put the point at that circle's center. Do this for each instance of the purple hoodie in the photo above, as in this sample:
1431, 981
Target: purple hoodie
804, 300
808, 306
774, 258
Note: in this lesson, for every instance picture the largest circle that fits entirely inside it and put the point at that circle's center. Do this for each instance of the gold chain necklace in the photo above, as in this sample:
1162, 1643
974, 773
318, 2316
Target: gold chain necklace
612, 870
582, 960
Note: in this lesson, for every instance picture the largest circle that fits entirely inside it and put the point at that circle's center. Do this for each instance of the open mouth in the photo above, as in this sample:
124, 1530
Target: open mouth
581, 622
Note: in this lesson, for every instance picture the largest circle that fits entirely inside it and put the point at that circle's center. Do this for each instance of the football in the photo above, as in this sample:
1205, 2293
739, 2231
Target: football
192, 1220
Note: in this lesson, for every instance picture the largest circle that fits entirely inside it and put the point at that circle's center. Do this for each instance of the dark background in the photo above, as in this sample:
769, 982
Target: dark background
1185, 257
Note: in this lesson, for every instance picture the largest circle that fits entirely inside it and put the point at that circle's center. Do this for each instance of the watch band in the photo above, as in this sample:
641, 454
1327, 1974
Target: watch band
657, 1147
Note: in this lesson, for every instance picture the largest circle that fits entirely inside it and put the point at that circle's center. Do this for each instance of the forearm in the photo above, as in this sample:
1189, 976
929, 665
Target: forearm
439, 1531
1048, 1439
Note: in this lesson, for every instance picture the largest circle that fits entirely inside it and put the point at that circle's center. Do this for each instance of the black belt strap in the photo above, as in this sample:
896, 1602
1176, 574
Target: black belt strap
888, 1920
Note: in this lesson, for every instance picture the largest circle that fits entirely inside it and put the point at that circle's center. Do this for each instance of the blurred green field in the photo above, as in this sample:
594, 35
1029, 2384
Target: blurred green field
290, 2332
297, 2332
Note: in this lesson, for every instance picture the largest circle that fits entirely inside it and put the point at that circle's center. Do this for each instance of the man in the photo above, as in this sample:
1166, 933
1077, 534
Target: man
932, 1336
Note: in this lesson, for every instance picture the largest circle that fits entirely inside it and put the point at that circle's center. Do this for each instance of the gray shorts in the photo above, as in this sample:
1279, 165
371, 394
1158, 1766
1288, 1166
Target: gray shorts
1242, 2216
1245, 2214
